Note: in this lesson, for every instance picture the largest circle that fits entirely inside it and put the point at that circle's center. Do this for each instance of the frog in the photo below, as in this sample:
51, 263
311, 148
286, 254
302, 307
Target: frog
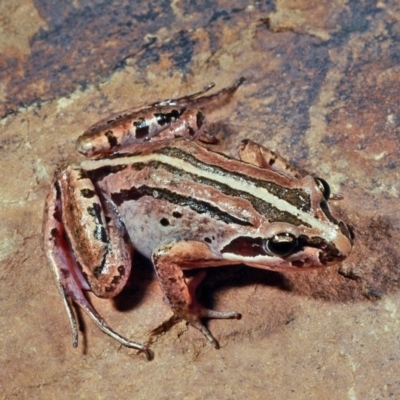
152, 183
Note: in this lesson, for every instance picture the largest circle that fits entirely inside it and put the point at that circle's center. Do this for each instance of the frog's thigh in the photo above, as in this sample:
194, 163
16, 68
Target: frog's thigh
70, 281
190, 124
98, 238
254, 153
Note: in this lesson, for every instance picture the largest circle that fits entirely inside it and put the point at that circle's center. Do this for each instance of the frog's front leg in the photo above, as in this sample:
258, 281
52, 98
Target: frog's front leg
170, 261
87, 245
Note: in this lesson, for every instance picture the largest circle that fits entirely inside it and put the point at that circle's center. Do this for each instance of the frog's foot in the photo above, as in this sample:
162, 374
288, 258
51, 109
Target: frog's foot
206, 332
196, 100
206, 313
184, 99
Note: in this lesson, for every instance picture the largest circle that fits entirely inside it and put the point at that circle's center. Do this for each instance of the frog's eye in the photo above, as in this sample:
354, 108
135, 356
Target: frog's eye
323, 187
281, 244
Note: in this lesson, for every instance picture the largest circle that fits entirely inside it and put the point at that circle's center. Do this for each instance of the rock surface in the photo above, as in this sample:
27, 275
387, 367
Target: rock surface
322, 87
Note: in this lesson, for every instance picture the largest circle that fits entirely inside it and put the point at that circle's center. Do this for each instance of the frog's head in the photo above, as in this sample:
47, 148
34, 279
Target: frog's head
287, 246
301, 239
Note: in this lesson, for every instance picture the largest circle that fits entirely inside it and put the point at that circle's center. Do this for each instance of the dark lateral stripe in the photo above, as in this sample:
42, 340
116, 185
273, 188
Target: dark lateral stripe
246, 247
199, 206
270, 212
295, 197
99, 174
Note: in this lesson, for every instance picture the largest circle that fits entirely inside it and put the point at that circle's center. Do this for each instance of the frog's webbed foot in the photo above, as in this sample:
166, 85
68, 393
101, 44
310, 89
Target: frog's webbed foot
170, 261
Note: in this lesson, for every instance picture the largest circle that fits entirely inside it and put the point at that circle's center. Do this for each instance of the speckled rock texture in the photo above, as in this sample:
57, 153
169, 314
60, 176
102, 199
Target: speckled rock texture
322, 88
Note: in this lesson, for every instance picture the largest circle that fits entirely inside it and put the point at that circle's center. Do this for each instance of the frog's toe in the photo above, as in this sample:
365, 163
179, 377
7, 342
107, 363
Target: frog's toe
206, 313
205, 331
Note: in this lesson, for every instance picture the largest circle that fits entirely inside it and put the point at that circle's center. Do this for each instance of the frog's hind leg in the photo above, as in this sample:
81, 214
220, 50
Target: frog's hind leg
254, 153
260, 156
194, 101
184, 99
70, 281
166, 119
170, 261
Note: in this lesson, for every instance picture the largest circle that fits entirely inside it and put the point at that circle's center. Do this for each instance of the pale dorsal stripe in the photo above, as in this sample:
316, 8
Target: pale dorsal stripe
327, 229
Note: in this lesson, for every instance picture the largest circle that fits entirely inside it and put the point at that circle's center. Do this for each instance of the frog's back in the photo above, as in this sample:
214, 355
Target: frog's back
182, 191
